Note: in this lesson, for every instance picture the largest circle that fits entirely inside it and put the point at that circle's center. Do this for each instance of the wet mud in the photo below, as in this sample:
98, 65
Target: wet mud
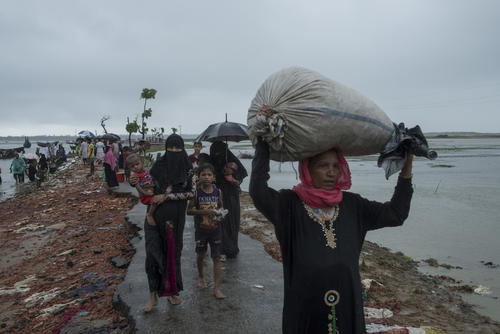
56, 268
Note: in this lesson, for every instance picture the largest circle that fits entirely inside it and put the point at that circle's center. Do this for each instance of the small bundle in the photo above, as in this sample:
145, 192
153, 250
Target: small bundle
220, 214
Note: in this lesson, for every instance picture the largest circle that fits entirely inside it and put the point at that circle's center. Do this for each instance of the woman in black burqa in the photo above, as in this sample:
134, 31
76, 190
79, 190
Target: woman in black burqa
220, 155
321, 229
172, 176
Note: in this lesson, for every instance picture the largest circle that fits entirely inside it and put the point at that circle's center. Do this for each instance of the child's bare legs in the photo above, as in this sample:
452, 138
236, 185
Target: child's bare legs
153, 301
149, 215
217, 277
200, 262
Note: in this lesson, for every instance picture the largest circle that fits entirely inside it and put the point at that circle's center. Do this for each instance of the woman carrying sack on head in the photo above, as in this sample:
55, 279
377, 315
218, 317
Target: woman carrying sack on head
321, 229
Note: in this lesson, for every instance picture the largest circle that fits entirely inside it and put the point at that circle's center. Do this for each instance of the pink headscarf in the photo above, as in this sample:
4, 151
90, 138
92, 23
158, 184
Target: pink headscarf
110, 158
321, 198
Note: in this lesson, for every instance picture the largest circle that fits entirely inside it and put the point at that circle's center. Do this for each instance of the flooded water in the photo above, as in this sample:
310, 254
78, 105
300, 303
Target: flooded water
455, 211
8, 187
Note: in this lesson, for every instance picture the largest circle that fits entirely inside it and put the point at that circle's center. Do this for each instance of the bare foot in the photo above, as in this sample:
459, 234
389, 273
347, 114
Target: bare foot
201, 283
174, 300
218, 294
150, 219
152, 303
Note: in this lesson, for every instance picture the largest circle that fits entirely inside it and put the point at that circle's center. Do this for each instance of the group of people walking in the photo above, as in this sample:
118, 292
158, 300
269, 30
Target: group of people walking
111, 155
200, 185
319, 224
36, 166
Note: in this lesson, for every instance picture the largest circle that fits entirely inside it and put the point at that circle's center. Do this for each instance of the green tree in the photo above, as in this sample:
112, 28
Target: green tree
147, 93
174, 130
131, 128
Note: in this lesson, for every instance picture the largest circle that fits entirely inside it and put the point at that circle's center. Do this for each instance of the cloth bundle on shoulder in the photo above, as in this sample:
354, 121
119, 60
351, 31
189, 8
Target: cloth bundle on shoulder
301, 113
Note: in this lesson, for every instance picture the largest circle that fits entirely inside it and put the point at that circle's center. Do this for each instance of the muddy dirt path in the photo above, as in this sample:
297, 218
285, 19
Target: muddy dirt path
64, 249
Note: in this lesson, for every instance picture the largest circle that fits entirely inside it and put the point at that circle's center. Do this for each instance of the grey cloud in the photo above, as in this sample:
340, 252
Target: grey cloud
73, 62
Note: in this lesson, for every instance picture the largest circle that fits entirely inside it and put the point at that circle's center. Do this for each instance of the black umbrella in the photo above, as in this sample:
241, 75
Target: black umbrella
224, 131
110, 137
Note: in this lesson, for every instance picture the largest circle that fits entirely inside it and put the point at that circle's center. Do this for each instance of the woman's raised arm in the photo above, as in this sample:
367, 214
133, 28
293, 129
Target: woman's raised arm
394, 212
265, 199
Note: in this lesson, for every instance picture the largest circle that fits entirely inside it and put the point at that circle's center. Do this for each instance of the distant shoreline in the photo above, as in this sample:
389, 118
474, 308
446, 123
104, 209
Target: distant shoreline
472, 136
428, 135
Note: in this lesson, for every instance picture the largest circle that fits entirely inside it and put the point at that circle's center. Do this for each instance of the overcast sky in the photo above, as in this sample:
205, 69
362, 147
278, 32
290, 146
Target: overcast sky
65, 64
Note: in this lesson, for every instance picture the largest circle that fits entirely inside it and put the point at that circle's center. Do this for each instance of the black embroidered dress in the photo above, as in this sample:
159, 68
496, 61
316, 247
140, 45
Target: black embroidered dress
311, 269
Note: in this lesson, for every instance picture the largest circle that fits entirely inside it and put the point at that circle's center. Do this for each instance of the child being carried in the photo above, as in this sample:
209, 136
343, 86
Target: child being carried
229, 169
143, 182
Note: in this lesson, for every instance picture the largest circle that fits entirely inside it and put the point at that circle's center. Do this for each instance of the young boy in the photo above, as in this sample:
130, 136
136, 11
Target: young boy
203, 158
143, 182
194, 157
207, 209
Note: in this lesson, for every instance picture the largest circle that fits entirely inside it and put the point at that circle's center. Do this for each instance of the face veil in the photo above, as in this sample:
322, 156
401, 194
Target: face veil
220, 155
173, 168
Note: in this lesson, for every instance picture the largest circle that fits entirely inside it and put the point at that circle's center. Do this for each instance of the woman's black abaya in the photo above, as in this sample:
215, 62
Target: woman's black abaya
156, 244
319, 280
220, 155
172, 175
231, 223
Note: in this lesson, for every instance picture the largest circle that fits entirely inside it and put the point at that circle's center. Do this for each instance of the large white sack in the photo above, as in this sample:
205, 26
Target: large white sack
311, 114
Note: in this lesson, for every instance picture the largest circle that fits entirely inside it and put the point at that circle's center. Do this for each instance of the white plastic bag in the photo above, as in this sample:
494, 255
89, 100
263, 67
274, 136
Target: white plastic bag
304, 113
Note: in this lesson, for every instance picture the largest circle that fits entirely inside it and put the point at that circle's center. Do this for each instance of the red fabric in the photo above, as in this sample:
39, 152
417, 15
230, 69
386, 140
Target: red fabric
193, 158
145, 180
146, 200
231, 179
320, 198
170, 278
